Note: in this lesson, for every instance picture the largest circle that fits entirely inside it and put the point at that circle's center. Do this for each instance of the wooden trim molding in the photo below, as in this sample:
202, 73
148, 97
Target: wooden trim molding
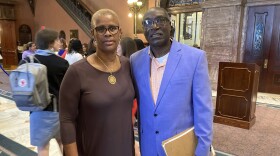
7, 12
12, 2
222, 3
187, 8
262, 2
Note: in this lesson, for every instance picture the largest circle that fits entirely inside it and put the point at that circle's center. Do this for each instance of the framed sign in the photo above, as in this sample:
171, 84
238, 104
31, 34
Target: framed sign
74, 33
25, 34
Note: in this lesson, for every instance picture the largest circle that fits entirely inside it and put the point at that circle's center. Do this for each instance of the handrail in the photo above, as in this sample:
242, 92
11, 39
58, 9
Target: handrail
76, 14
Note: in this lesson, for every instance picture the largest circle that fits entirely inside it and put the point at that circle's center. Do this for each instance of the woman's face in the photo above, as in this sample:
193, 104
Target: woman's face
61, 45
57, 45
33, 47
107, 33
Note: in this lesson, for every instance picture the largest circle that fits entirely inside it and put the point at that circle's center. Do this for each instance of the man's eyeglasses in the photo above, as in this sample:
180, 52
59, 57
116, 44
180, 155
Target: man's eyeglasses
101, 30
159, 21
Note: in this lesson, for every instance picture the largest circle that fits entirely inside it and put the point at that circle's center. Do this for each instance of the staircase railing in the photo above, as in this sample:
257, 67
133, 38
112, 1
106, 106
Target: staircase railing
77, 12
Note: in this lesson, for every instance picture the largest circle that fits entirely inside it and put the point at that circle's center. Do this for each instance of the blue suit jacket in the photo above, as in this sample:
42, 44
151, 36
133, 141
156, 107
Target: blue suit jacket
184, 99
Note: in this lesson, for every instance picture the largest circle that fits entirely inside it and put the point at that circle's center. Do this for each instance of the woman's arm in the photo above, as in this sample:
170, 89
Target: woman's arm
70, 149
69, 97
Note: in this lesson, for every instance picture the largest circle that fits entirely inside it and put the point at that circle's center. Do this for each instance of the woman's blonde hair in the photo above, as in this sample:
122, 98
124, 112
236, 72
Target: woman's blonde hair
103, 12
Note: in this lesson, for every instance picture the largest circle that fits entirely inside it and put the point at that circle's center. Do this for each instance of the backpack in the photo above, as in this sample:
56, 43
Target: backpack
29, 85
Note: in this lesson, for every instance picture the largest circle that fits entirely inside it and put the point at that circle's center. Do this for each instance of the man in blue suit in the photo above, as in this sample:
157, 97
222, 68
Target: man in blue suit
173, 88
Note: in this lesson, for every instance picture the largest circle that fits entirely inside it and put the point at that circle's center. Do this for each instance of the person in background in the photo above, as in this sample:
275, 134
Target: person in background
96, 96
85, 48
1, 58
172, 33
139, 43
44, 125
91, 48
62, 47
75, 49
64, 53
173, 88
29, 50
128, 46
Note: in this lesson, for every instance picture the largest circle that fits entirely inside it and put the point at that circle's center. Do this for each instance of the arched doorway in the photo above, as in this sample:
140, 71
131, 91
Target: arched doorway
25, 34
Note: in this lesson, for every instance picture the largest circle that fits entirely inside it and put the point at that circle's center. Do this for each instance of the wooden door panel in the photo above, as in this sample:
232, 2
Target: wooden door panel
258, 38
8, 43
10, 58
263, 45
273, 76
258, 34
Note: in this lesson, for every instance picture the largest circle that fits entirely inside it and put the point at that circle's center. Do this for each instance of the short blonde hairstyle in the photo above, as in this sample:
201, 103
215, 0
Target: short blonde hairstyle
103, 12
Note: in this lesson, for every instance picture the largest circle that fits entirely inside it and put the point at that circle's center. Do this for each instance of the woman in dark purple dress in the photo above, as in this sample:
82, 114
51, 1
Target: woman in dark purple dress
96, 97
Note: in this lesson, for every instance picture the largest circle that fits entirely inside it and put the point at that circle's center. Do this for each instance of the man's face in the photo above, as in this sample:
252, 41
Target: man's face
157, 28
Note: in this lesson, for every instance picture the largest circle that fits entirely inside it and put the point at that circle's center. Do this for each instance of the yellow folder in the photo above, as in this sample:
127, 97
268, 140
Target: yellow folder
182, 144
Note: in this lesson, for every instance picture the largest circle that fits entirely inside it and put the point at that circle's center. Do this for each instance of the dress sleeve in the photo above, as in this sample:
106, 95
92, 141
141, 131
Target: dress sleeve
69, 97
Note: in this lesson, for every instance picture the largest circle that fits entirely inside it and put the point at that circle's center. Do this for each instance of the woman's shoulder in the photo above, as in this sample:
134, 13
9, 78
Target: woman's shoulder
123, 58
26, 51
124, 61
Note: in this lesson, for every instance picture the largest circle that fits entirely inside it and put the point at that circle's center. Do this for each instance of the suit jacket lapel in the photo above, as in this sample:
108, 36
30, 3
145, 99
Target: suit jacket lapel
146, 74
171, 65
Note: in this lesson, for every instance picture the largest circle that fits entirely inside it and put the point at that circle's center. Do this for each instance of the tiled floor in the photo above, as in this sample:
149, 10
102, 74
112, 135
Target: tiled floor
14, 124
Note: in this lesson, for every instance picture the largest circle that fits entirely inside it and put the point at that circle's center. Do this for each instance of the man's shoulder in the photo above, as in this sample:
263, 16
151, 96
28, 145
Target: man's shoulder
56, 60
187, 50
139, 54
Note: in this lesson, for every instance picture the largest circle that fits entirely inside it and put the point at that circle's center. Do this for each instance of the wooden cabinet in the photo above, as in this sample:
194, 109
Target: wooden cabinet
237, 94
